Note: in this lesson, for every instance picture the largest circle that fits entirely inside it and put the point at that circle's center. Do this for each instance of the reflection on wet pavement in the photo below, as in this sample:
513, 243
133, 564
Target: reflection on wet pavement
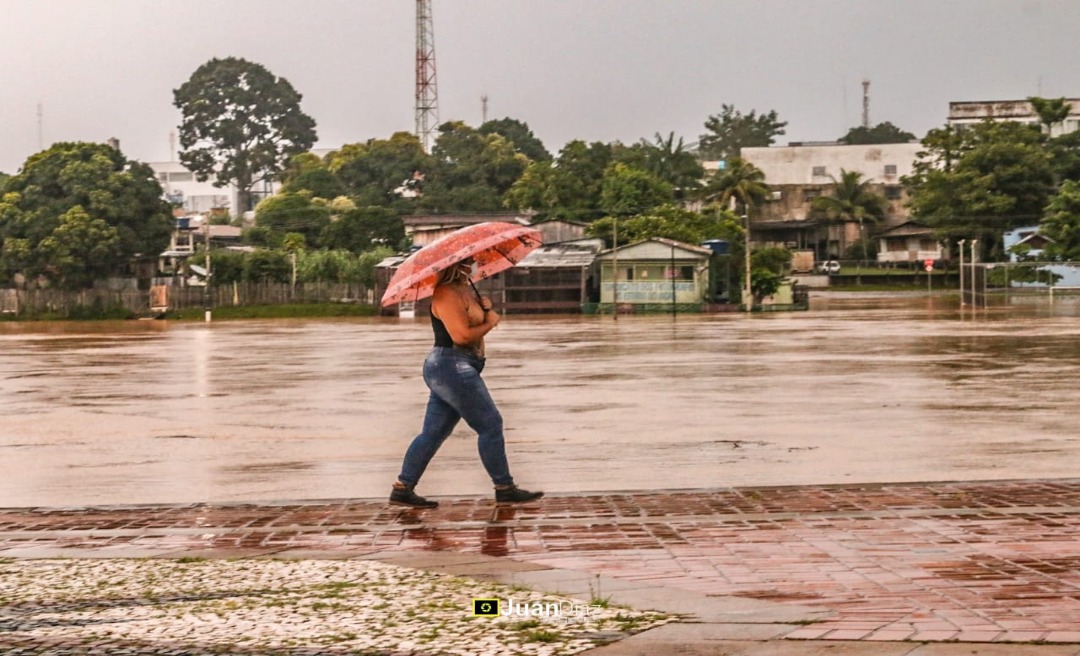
861, 388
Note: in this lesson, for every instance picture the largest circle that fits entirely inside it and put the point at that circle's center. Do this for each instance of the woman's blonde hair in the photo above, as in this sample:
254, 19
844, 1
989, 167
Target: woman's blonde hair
450, 275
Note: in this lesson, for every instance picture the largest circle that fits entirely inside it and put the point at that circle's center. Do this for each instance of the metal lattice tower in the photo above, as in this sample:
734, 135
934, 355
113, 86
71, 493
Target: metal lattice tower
427, 94
866, 103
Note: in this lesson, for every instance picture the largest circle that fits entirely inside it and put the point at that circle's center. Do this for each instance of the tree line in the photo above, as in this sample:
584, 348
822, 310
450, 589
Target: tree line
78, 211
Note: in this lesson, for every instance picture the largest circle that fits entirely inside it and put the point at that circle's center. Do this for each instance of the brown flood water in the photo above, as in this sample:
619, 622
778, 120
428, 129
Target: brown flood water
862, 388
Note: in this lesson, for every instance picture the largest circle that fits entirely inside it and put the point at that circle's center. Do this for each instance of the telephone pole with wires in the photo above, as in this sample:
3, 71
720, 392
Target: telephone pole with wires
427, 94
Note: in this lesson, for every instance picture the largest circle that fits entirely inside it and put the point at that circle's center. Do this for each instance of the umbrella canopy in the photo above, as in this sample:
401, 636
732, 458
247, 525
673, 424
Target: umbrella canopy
493, 246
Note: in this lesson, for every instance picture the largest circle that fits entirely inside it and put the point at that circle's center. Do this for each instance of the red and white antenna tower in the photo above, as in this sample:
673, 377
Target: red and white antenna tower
427, 93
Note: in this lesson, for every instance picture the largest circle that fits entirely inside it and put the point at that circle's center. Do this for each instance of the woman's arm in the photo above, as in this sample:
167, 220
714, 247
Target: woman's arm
451, 309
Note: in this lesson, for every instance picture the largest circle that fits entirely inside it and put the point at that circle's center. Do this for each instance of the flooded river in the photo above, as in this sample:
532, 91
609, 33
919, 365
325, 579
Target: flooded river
862, 388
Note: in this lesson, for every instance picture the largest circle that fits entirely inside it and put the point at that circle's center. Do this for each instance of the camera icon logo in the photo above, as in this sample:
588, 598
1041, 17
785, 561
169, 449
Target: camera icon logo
485, 607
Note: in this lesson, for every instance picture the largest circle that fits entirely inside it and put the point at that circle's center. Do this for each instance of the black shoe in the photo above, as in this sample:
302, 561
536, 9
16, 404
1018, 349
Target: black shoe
406, 497
515, 494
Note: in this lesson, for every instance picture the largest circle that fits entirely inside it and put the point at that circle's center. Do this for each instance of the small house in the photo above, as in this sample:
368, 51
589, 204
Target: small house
909, 242
657, 272
423, 229
555, 278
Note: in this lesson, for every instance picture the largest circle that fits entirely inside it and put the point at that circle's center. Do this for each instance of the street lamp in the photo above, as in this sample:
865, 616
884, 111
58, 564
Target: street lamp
961, 248
748, 296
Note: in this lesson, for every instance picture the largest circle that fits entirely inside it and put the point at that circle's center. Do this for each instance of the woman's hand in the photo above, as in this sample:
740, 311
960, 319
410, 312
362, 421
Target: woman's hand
485, 304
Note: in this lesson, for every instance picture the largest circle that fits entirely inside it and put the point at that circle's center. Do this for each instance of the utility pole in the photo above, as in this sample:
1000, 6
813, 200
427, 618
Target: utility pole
206, 288
961, 249
673, 297
615, 266
40, 128
483, 109
748, 292
427, 94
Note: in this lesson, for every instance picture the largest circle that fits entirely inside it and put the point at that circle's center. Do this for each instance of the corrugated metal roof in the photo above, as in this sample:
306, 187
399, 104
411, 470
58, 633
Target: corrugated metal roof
559, 256
907, 229
683, 246
437, 220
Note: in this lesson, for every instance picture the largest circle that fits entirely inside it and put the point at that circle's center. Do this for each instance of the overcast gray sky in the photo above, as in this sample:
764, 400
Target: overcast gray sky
599, 70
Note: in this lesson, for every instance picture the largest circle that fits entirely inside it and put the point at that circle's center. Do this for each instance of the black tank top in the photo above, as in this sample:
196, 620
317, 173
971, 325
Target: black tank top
442, 335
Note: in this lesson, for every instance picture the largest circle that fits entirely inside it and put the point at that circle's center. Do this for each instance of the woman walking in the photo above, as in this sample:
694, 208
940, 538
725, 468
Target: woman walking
460, 318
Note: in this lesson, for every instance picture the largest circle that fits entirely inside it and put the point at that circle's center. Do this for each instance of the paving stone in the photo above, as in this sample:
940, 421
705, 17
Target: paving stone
983, 563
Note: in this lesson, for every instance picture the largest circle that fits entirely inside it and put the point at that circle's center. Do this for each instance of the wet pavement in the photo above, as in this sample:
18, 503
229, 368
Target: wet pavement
881, 475
862, 388
974, 562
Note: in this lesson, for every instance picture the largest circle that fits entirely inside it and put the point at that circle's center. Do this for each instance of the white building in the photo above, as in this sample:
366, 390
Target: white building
800, 172
181, 188
970, 112
194, 197
818, 163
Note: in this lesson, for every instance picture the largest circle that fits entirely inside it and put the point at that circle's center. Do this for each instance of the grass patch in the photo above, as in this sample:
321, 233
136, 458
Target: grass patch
542, 636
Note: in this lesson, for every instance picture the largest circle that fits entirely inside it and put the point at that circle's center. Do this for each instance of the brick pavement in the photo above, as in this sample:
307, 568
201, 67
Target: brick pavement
968, 562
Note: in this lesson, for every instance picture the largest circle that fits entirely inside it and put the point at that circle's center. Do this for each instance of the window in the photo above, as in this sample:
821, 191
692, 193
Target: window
819, 171
184, 176
649, 272
893, 192
776, 195
890, 169
810, 194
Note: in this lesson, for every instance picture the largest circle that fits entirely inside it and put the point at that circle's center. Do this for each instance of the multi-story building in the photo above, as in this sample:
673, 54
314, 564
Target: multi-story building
800, 172
970, 112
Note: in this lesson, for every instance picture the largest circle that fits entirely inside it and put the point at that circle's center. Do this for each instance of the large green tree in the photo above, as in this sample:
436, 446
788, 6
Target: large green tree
1062, 223
980, 181
386, 172
627, 191
80, 250
671, 222
668, 160
569, 188
518, 134
731, 130
293, 212
1065, 156
240, 125
852, 200
882, 133
119, 201
361, 229
471, 172
307, 172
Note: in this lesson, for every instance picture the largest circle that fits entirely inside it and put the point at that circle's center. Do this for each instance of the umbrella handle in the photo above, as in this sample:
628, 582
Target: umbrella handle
476, 291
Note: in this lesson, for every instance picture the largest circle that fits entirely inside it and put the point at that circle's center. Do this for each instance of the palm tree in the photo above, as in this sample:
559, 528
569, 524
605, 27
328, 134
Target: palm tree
1050, 110
741, 182
852, 200
673, 163
742, 185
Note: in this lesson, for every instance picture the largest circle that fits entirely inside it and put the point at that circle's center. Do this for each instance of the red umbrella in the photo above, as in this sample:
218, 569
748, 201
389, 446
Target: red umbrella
493, 247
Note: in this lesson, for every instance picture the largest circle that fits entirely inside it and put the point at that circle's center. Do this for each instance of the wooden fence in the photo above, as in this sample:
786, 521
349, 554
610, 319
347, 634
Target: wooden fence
34, 302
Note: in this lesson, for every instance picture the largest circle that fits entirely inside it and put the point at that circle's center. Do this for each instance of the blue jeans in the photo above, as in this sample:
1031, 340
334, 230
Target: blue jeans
457, 392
